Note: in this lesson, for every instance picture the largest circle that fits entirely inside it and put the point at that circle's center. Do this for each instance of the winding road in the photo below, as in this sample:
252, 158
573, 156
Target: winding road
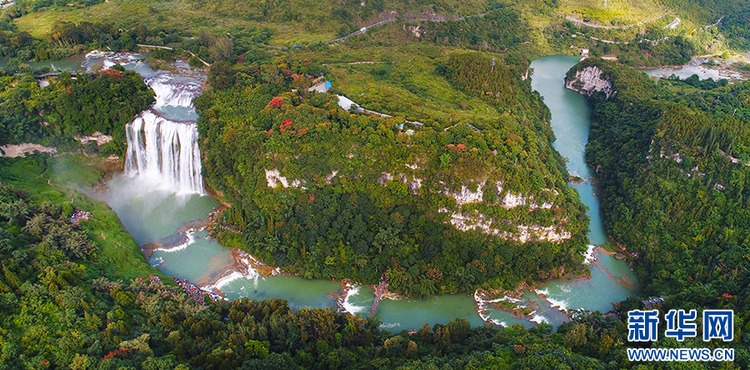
579, 21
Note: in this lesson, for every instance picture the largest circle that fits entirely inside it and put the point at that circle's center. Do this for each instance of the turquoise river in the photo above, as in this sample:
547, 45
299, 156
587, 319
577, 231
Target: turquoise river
150, 212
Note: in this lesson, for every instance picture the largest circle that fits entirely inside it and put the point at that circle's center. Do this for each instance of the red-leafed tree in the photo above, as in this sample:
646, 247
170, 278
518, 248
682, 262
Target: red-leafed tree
276, 102
111, 72
287, 123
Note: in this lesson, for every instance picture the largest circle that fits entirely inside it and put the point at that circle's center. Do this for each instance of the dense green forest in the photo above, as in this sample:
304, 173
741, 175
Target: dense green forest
67, 39
673, 161
45, 30
389, 195
72, 297
68, 107
380, 201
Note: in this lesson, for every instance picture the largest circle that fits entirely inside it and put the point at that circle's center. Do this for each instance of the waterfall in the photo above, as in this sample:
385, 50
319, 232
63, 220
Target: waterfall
162, 140
168, 95
164, 152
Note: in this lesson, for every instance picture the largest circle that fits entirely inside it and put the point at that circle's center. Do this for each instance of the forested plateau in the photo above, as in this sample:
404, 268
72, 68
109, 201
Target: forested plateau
440, 207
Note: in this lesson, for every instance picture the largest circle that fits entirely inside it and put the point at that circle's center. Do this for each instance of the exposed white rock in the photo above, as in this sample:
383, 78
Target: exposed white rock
98, 137
414, 184
465, 223
545, 205
466, 196
331, 176
733, 159
415, 30
535, 232
513, 200
385, 178
20, 150
673, 156
589, 80
273, 177
524, 234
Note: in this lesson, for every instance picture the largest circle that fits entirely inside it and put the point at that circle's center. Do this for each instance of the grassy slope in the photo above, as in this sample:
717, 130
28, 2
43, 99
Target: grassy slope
411, 84
402, 78
617, 12
119, 254
311, 21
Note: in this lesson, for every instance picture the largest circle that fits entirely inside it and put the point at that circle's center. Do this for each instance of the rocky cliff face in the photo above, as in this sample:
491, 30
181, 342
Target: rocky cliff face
589, 80
465, 219
19, 150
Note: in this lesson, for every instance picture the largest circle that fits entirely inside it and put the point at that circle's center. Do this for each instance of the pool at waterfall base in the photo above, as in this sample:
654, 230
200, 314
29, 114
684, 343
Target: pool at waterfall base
160, 200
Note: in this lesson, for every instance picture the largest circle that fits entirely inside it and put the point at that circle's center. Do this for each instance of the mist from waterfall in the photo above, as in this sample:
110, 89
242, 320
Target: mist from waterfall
162, 141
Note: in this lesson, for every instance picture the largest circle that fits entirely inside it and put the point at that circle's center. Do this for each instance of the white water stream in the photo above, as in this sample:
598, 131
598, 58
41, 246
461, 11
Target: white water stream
163, 187
164, 153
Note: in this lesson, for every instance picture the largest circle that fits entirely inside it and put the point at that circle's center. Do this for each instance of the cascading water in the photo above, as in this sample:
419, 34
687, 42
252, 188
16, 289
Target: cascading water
165, 152
162, 148
169, 95
163, 140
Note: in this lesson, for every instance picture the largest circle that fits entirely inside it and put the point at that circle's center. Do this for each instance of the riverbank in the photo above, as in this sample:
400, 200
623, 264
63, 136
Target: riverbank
352, 293
228, 271
118, 256
712, 65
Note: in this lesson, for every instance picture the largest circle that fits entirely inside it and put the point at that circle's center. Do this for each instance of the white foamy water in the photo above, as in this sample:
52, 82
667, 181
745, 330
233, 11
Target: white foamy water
245, 270
191, 239
590, 255
99, 54
169, 93
537, 318
486, 318
561, 304
235, 275
390, 326
246, 266
348, 306
164, 153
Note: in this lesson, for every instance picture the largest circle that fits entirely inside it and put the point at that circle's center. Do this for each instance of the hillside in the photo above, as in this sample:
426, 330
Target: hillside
637, 30
673, 159
440, 206
441, 177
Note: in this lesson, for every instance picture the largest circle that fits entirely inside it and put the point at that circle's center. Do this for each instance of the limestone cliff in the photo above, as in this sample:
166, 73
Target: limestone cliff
589, 80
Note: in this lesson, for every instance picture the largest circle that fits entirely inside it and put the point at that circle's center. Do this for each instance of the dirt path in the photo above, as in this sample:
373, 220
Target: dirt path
579, 21
49, 182
168, 48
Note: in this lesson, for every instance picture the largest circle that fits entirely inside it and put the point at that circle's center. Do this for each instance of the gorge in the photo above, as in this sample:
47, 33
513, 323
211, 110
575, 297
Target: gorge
161, 195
